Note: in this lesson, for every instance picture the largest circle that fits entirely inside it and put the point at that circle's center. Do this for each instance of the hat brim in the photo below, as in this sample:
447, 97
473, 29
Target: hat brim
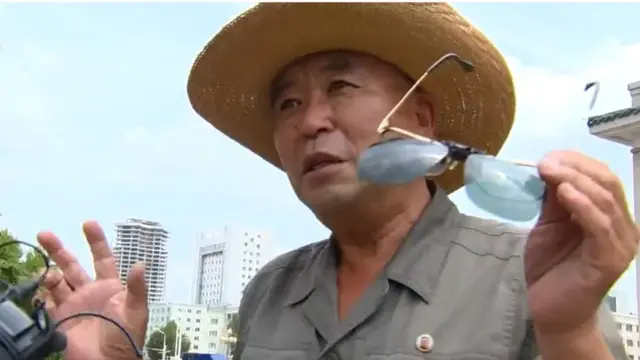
230, 80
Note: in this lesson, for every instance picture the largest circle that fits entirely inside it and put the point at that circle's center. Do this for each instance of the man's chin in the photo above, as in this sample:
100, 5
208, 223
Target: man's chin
328, 197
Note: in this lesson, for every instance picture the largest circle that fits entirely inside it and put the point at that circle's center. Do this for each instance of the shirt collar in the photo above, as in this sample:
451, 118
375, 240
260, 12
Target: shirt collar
417, 263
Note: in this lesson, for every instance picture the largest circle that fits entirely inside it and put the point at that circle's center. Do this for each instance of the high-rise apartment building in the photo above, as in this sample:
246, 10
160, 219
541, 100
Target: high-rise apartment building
143, 241
226, 262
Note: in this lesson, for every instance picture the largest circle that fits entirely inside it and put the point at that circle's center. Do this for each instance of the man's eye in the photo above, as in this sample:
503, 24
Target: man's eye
289, 104
339, 85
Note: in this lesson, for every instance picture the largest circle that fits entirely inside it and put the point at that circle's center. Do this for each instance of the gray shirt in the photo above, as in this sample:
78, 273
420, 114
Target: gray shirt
456, 281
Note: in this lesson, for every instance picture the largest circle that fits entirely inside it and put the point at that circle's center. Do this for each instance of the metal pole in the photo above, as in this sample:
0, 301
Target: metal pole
179, 340
164, 344
175, 347
164, 349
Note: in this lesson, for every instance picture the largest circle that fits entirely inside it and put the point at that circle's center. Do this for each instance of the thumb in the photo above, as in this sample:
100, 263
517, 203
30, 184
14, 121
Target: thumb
136, 306
552, 210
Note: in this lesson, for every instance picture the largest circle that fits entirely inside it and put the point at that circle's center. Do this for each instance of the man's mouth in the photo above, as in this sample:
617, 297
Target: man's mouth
317, 161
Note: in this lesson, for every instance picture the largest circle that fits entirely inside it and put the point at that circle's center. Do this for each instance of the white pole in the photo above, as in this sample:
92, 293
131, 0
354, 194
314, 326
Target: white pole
164, 344
177, 344
179, 336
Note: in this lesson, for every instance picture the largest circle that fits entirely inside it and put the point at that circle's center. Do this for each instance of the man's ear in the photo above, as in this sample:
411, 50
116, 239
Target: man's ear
426, 113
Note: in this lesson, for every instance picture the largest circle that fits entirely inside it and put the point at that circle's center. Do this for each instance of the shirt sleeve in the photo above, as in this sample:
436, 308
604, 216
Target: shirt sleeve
529, 349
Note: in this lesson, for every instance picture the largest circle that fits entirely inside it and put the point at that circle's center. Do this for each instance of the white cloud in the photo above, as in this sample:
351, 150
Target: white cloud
552, 111
552, 105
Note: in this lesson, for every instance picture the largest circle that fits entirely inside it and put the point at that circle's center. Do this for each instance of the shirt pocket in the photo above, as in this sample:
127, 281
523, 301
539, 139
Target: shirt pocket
364, 351
260, 353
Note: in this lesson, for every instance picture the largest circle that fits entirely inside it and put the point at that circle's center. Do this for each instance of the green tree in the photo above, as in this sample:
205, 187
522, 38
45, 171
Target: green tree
15, 266
233, 330
33, 262
156, 342
11, 269
233, 324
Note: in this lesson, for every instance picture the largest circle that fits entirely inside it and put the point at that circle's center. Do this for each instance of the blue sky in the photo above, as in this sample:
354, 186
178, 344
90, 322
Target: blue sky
96, 124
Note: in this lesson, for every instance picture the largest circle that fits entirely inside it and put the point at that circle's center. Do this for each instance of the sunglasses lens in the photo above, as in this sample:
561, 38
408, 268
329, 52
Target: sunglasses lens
400, 161
510, 191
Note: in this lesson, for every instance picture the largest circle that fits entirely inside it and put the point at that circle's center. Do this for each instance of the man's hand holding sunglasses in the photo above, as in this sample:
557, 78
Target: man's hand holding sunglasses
583, 241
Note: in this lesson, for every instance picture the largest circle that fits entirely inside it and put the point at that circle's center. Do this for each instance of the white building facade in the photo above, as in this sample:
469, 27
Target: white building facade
226, 261
623, 127
205, 326
628, 327
143, 241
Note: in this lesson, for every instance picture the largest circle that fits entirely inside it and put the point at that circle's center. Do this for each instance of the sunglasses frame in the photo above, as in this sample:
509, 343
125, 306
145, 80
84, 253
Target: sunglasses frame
458, 152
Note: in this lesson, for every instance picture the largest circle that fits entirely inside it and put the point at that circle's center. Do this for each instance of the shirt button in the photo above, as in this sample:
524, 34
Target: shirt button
424, 343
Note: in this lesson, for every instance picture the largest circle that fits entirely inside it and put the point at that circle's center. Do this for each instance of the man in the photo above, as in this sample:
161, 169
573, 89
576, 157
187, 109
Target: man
404, 274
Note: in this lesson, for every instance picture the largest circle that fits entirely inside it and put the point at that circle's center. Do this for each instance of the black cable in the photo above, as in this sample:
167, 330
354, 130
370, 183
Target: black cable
89, 314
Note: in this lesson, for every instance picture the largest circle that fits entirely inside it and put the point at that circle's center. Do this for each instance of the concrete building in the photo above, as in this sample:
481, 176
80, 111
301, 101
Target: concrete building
628, 327
226, 261
619, 302
205, 326
623, 127
143, 241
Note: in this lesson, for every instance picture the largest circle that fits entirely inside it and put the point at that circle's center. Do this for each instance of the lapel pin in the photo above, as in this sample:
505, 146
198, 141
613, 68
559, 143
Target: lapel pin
424, 343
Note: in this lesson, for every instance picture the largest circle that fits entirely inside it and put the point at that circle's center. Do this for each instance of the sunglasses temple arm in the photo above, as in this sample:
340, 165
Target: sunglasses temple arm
596, 91
467, 66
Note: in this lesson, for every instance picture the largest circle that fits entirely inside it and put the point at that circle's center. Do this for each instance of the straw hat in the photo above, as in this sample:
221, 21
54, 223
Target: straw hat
230, 80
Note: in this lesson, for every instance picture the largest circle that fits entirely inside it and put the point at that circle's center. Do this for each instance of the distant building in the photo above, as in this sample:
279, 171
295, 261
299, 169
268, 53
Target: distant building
627, 325
611, 303
226, 262
143, 241
623, 127
205, 326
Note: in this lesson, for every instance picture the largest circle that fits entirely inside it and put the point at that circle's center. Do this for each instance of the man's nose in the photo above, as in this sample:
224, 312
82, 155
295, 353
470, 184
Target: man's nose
318, 117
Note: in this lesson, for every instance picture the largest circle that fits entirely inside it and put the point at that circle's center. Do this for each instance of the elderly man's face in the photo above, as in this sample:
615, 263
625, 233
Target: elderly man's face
327, 108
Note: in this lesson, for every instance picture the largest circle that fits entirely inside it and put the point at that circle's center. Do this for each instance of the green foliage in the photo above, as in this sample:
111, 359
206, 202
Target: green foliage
33, 262
11, 269
157, 340
233, 324
16, 265
57, 356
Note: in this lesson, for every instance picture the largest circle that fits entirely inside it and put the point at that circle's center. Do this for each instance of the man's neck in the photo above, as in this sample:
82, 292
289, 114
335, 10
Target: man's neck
369, 237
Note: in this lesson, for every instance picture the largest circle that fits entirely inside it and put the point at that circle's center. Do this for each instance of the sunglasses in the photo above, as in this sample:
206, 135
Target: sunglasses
511, 190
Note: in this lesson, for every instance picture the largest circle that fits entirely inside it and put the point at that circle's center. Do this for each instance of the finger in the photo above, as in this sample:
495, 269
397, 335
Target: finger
596, 170
49, 304
57, 286
43, 296
73, 272
136, 288
602, 246
597, 195
585, 212
558, 173
136, 301
551, 212
104, 263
